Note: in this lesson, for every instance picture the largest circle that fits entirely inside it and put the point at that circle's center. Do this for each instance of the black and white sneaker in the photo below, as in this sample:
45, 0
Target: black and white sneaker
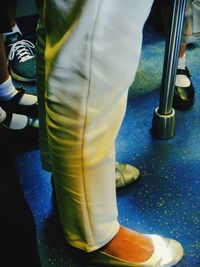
21, 57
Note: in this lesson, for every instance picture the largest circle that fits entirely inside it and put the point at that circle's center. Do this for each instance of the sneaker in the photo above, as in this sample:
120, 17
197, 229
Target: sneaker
21, 57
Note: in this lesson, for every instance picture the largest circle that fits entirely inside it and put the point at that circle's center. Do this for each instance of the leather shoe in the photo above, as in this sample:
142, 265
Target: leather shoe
125, 174
183, 96
167, 253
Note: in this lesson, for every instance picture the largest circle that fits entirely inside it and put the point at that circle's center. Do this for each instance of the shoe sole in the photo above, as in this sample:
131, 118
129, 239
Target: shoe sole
183, 106
19, 78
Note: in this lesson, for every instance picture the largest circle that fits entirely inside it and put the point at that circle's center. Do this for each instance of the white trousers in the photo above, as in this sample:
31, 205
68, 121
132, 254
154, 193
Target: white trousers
91, 51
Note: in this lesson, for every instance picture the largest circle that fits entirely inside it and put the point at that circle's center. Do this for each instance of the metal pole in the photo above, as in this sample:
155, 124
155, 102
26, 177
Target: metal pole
163, 124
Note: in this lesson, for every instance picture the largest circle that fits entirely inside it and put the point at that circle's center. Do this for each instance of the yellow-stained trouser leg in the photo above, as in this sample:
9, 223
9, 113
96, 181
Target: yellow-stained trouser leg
92, 53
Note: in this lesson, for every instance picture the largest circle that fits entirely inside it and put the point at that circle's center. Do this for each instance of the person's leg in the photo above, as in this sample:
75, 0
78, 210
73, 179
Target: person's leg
87, 86
4, 73
125, 174
184, 91
181, 79
25, 105
17, 121
86, 89
182, 50
7, 89
12, 99
20, 52
11, 11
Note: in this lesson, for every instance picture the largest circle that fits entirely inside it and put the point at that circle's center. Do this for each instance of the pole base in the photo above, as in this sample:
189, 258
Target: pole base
163, 126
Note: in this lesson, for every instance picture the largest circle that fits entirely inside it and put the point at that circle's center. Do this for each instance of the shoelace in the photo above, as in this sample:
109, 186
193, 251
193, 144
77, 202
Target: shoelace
22, 49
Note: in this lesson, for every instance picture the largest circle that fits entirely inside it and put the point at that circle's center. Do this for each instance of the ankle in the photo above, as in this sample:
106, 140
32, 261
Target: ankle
8, 91
130, 246
182, 62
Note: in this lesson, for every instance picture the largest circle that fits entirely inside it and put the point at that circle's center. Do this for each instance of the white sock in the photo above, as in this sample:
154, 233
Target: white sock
182, 80
181, 62
18, 121
7, 91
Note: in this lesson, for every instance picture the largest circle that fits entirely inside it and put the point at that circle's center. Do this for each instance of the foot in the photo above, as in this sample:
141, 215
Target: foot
18, 104
13, 121
125, 174
184, 90
21, 57
131, 249
129, 246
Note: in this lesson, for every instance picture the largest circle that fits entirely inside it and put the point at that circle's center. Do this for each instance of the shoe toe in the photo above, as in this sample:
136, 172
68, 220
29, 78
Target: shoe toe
174, 253
169, 250
125, 174
183, 97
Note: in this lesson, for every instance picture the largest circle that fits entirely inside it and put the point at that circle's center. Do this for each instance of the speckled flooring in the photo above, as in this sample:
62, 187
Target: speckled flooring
166, 198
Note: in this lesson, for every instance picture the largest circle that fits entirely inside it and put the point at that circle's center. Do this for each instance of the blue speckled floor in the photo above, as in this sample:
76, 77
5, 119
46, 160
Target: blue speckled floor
166, 198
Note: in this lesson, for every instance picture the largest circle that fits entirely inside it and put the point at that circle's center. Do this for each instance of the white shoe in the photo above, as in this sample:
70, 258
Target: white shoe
167, 253
125, 174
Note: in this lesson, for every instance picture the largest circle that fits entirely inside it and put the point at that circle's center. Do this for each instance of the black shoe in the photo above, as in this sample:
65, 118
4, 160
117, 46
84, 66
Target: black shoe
183, 96
14, 106
21, 57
